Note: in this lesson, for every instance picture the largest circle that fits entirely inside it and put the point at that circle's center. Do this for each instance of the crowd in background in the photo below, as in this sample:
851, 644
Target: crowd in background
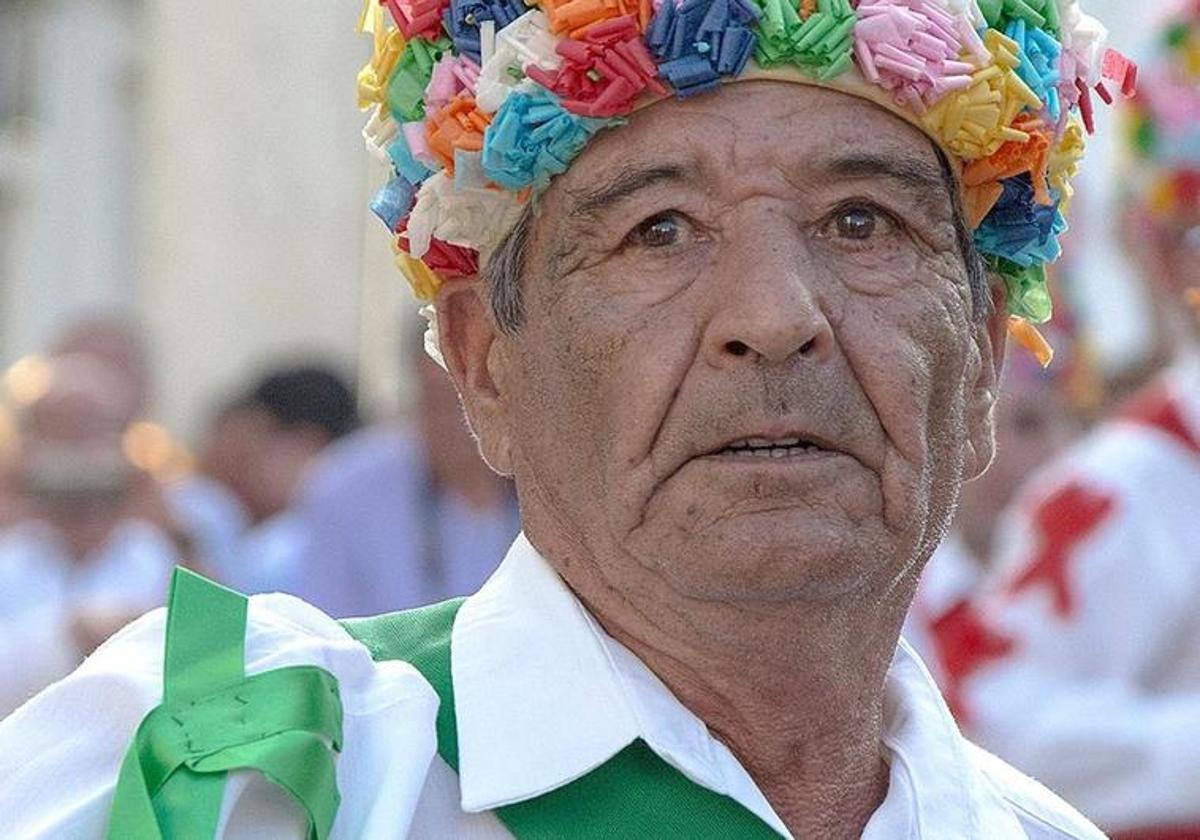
288, 489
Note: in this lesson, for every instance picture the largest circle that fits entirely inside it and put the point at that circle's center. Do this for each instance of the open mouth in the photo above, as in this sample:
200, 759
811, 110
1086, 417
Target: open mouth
765, 448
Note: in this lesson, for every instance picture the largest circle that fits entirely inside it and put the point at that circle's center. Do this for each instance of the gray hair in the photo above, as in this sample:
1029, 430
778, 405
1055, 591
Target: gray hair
503, 271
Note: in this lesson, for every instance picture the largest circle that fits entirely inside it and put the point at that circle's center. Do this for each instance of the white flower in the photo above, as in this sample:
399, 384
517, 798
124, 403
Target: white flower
527, 40
433, 346
378, 133
1084, 37
473, 217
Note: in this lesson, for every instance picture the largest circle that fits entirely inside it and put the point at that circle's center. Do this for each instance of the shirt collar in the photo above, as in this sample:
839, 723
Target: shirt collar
543, 696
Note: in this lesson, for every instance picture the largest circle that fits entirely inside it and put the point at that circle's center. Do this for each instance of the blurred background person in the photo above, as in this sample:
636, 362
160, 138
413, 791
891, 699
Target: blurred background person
81, 561
212, 501
1086, 670
403, 514
278, 431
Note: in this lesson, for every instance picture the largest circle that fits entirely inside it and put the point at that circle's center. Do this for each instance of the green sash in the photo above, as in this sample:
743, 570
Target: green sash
635, 794
285, 723
213, 719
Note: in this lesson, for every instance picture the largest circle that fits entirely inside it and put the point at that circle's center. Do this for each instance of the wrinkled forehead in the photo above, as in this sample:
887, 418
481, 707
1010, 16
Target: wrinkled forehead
753, 130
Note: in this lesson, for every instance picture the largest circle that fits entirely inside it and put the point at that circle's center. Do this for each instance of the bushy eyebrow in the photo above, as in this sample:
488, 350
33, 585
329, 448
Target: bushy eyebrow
913, 173
591, 200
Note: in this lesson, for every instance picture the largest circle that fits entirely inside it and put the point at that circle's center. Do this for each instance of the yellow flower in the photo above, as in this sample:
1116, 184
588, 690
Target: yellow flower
974, 122
425, 281
373, 78
1065, 158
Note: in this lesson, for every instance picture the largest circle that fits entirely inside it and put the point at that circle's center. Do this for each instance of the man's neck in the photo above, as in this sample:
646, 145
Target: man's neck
795, 690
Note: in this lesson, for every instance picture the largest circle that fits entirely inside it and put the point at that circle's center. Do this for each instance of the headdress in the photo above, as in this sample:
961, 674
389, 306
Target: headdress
478, 104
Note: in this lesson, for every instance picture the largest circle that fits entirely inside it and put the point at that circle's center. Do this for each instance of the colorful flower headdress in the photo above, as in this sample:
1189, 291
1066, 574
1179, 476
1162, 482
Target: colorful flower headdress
479, 103
1163, 121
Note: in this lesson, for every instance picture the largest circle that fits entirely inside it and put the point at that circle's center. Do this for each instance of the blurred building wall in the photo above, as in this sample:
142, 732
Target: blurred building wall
254, 181
68, 148
200, 165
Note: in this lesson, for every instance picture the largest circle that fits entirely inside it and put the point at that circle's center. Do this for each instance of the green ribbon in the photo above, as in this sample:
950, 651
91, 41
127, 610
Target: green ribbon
634, 794
213, 719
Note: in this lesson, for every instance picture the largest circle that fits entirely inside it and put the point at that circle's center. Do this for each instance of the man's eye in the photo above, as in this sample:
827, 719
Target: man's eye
856, 222
659, 231
859, 222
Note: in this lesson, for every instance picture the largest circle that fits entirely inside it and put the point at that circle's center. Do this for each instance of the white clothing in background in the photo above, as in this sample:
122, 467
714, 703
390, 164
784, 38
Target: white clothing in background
1092, 680
42, 592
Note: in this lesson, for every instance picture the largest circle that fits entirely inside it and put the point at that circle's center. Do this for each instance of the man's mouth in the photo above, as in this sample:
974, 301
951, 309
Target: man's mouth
759, 447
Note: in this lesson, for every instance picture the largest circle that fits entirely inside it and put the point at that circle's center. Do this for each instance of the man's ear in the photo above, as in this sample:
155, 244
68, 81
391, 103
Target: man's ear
991, 336
476, 356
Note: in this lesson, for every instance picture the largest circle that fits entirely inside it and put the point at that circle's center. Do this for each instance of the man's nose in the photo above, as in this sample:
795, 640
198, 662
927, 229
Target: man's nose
766, 303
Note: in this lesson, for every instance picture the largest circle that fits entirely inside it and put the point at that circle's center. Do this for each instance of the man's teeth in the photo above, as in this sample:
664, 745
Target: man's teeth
763, 448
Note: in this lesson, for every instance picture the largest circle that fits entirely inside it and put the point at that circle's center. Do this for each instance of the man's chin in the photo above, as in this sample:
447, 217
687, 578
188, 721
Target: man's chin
773, 556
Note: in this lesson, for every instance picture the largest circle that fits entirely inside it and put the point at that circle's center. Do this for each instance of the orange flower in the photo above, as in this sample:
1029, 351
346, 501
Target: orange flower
459, 125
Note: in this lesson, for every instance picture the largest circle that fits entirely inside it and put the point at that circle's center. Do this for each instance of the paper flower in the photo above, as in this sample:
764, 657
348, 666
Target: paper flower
393, 201
378, 132
423, 281
983, 179
373, 78
458, 125
417, 18
412, 164
911, 47
406, 88
976, 121
573, 17
524, 43
442, 258
1039, 68
433, 344
478, 104
1065, 156
603, 70
1040, 14
819, 41
472, 218
534, 138
1019, 229
450, 77
1026, 293
464, 18
700, 41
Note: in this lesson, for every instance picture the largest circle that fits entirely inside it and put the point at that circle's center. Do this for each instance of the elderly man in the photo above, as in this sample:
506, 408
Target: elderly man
737, 352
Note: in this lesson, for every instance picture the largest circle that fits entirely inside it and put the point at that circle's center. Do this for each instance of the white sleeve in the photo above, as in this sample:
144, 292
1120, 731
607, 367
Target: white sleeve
1098, 692
60, 753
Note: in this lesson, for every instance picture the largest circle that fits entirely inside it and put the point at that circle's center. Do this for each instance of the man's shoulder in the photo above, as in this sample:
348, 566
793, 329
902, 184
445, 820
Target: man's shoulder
388, 710
1042, 813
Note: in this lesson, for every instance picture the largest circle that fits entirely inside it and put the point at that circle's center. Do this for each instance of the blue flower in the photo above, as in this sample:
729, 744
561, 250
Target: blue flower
1039, 63
393, 202
533, 138
700, 41
463, 17
1018, 228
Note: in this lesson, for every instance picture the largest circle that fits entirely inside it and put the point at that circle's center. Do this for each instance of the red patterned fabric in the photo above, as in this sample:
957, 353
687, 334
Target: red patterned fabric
1063, 520
1155, 407
964, 644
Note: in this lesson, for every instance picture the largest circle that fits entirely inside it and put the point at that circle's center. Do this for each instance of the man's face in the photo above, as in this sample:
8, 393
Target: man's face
748, 361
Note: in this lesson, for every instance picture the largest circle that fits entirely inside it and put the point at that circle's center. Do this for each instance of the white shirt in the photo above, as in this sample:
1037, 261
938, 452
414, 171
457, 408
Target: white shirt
42, 591
542, 696
1093, 612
